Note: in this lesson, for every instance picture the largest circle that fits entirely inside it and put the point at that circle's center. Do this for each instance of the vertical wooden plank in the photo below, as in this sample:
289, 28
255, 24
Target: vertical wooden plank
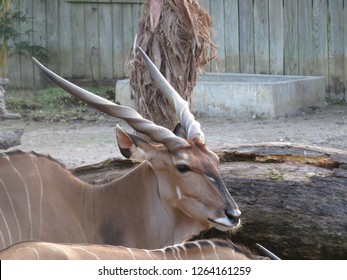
320, 40
136, 7
105, 41
78, 41
128, 38
65, 39
305, 37
336, 49
14, 65
345, 50
217, 13
118, 51
206, 5
39, 38
92, 41
246, 23
261, 37
276, 44
27, 69
291, 45
52, 34
231, 25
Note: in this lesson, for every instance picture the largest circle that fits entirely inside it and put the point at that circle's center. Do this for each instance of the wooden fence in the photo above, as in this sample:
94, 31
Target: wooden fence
90, 39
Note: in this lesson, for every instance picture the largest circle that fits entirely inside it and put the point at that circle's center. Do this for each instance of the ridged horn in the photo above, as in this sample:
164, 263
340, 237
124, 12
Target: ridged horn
133, 118
267, 252
188, 122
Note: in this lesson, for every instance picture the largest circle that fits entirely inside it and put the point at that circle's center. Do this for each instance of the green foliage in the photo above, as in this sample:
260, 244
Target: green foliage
14, 40
9, 22
336, 101
53, 105
24, 48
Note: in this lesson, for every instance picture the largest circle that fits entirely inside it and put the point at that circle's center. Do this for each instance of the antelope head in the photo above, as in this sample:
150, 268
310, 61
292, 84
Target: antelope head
189, 184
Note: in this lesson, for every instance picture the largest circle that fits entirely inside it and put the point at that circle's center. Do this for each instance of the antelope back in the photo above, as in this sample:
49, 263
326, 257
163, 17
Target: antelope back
197, 250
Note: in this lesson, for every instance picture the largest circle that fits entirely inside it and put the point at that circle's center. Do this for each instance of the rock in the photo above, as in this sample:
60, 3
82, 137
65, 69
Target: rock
10, 138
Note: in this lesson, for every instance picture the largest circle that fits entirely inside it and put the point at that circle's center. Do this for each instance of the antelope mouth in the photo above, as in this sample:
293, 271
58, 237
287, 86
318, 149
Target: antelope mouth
224, 223
231, 220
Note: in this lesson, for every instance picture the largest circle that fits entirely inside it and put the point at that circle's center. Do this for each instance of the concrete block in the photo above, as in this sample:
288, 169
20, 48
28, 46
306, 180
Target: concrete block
248, 96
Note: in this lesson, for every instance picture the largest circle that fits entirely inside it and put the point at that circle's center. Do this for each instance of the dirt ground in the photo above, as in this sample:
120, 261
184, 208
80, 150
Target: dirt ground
81, 143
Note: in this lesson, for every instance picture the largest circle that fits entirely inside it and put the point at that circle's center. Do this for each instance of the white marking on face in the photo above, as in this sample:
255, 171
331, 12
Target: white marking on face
178, 192
185, 156
211, 179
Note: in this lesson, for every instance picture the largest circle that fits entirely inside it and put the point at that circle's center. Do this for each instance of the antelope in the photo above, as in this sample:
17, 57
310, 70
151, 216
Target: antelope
175, 193
193, 250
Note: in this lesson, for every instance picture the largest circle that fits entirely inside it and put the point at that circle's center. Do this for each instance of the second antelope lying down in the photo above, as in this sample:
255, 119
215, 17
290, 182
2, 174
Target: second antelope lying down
195, 250
174, 194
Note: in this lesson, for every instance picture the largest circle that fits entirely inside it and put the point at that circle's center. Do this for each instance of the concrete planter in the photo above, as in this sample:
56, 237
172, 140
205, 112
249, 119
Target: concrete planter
246, 95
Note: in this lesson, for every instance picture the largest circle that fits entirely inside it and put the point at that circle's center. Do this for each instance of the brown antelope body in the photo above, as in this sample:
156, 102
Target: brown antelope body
175, 193
195, 250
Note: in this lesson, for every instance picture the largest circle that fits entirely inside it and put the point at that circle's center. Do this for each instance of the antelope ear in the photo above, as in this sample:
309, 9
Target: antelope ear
132, 146
179, 131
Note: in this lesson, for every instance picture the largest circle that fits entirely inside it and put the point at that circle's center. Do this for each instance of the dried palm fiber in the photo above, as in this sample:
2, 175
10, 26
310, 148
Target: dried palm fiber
175, 34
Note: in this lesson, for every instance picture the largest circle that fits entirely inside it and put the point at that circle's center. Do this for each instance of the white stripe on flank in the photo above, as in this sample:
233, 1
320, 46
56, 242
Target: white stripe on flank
214, 248
149, 254
13, 209
185, 250
37, 253
163, 252
26, 253
2, 239
8, 229
88, 252
154, 256
199, 246
41, 194
234, 256
28, 198
173, 250
178, 249
131, 253
67, 254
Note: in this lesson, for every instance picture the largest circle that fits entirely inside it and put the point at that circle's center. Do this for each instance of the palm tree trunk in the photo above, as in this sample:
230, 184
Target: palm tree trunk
176, 36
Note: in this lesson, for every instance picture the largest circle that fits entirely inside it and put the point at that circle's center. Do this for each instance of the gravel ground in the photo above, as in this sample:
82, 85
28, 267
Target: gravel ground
81, 143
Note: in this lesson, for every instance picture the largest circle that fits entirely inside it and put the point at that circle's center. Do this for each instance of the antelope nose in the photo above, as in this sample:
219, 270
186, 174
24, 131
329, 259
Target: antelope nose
234, 215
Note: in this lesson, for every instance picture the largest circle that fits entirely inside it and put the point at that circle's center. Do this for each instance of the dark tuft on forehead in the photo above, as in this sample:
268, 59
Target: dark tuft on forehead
197, 142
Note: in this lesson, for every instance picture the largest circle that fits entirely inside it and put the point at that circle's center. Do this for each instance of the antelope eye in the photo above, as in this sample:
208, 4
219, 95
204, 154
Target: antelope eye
182, 168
